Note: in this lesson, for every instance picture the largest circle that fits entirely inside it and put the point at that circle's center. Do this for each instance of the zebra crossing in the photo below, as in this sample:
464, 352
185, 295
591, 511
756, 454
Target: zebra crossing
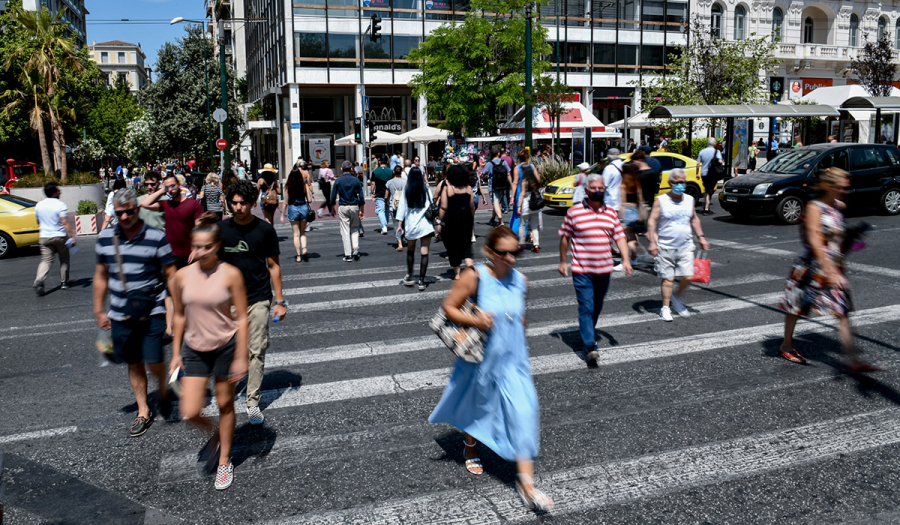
675, 409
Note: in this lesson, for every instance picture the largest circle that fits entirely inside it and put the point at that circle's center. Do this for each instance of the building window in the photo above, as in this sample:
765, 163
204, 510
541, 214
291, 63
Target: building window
631, 10
310, 8
576, 13
676, 17
740, 23
882, 28
604, 13
310, 48
378, 54
578, 56
408, 9
120, 59
438, 10
627, 58
605, 58
897, 34
777, 24
652, 56
808, 30
343, 8
854, 31
104, 57
654, 15
715, 25
402, 46
342, 50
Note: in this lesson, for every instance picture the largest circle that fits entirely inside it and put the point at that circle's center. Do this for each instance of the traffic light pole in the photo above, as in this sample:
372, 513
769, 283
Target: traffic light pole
362, 105
223, 77
528, 110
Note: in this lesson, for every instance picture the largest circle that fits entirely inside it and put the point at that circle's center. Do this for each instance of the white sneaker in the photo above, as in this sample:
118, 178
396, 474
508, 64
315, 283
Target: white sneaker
224, 476
617, 268
384, 231
666, 314
679, 307
256, 415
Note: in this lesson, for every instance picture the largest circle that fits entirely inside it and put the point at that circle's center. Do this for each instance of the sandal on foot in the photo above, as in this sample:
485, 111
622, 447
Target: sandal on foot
539, 502
298, 258
793, 356
861, 367
474, 465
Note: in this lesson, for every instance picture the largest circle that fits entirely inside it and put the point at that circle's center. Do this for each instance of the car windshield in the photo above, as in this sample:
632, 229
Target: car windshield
25, 203
792, 162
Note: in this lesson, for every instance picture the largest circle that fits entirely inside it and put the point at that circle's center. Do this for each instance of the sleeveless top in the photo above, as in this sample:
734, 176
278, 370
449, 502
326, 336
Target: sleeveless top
207, 308
459, 201
675, 222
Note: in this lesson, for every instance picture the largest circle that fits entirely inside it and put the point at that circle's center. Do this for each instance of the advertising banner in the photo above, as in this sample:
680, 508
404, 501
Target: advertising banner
319, 150
740, 152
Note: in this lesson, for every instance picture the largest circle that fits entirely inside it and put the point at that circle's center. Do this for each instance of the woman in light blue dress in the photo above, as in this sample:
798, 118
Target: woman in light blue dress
495, 401
411, 214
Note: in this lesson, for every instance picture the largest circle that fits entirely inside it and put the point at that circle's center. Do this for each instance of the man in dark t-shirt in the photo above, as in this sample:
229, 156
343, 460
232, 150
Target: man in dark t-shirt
251, 245
180, 214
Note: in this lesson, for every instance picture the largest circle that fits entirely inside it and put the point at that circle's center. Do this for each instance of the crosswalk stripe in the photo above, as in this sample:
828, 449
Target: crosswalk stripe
414, 344
535, 304
547, 364
37, 434
622, 481
859, 267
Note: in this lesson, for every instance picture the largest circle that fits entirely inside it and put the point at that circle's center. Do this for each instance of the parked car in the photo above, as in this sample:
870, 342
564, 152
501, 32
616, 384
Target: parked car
558, 194
18, 224
11, 171
783, 185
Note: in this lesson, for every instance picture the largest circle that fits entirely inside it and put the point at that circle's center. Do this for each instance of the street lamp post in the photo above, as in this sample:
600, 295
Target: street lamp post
209, 141
528, 110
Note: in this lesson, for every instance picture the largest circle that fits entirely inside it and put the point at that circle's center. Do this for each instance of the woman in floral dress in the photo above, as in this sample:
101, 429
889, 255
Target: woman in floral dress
817, 282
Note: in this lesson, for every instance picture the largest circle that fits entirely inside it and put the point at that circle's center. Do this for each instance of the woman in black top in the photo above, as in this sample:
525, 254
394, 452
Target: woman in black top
298, 200
267, 180
457, 218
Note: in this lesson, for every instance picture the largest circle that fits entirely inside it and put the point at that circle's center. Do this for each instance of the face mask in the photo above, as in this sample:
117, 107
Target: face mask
678, 189
596, 196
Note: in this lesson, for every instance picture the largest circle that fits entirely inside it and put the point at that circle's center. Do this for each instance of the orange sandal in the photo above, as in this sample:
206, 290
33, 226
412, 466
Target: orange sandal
793, 356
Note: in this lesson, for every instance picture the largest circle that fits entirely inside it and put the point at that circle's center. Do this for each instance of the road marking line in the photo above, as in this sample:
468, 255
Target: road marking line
415, 344
548, 364
631, 479
859, 267
37, 434
48, 325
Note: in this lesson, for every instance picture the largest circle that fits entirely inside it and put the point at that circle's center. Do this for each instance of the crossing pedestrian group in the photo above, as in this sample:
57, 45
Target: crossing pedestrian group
208, 278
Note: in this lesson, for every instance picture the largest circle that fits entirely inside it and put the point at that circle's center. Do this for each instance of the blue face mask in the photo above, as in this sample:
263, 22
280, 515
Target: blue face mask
679, 189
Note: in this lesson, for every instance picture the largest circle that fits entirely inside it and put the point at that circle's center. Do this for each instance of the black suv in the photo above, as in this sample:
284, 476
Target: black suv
783, 185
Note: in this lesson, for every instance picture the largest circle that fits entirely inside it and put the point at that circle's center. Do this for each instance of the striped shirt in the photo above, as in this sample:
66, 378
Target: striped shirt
143, 258
591, 234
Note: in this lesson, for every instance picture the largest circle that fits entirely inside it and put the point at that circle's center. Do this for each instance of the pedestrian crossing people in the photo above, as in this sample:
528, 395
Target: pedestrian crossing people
817, 282
298, 199
55, 236
494, 402
528, 218
205, 293
347, 192
251, 245
457, 217
414, 205
179, 212
673, 221
590, 228
132, 258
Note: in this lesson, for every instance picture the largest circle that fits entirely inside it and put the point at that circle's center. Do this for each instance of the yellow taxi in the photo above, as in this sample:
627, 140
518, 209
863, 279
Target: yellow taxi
558, 194
18, 224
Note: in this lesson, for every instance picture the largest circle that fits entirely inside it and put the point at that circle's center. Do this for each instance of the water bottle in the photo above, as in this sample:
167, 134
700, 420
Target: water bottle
105, 346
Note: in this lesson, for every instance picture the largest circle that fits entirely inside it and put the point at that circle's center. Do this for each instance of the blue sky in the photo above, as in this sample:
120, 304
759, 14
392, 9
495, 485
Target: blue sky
151, 35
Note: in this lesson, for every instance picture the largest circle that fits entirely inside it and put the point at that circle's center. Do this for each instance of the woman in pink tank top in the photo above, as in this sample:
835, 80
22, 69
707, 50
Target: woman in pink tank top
206, 292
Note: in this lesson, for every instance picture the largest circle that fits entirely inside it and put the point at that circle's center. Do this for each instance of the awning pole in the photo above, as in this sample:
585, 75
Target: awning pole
877, 133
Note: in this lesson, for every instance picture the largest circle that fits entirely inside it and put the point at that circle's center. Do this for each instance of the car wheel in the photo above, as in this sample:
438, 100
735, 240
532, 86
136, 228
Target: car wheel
694, 191
890, 201
789, 210
7, 246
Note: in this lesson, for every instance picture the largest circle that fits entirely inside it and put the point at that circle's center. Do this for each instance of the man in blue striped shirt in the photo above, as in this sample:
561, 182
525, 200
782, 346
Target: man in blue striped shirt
147, 264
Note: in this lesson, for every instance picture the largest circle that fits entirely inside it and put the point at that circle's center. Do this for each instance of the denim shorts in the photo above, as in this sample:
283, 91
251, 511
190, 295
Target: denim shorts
139, 342
298, 212
631, 216
214, 363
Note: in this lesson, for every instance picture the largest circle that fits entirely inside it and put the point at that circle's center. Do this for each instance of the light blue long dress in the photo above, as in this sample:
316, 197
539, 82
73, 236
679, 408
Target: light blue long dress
495, 401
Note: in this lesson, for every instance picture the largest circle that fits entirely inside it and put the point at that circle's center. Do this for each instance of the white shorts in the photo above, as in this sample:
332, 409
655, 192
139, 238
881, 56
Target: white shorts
675, 263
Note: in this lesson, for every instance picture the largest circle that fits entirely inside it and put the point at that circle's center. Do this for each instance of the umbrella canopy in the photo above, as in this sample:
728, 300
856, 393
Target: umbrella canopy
641, 121
576, 116
425, 134
383, 138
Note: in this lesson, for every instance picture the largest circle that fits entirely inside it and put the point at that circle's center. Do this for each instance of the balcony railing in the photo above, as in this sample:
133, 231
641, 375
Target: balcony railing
815, 51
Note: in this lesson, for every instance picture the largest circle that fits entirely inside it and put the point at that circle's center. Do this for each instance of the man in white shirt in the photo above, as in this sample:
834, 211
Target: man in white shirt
705, 158
612, 179
53, 220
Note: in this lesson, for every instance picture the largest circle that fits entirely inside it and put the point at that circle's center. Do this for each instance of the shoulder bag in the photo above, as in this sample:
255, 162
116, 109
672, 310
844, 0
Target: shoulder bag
466, 342
433, 210
139, 304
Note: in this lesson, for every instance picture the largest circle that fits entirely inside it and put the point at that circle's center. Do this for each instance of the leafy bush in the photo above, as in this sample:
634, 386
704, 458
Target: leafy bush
86, 207
255, 111
553, 169
38, 180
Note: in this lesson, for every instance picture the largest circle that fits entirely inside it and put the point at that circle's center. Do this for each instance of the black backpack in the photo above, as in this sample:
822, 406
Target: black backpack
499, 176
716, 168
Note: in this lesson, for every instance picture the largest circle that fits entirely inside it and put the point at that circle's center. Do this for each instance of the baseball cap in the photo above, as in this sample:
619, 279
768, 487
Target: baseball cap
583, 166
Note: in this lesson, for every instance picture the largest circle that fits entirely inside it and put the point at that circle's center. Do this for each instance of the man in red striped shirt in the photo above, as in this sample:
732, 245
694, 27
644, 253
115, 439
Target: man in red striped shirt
591, 228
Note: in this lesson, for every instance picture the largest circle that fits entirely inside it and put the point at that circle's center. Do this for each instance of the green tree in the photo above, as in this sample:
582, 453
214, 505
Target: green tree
470, 69
711, 71
138, 144
176, 101
550, 97
108, 119
29, 97
874, 66
51, 49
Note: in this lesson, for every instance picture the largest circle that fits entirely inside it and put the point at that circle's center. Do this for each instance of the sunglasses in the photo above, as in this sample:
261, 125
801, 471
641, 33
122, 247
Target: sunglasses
129, 212
503, 253
170, 186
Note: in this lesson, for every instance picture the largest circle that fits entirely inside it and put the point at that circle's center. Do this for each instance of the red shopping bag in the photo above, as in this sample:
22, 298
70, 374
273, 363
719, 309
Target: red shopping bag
701, 268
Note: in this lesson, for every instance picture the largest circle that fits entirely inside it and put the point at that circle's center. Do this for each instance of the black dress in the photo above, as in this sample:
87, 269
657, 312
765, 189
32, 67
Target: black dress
456, 232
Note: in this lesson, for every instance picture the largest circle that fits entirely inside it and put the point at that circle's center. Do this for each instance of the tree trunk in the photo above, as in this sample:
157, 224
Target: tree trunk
45, 154
59, 146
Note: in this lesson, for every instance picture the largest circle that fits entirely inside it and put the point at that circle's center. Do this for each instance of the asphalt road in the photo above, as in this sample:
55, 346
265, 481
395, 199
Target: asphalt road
695, 421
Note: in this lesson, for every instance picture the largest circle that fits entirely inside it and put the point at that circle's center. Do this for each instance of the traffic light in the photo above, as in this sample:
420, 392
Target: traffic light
357, 125
376, 28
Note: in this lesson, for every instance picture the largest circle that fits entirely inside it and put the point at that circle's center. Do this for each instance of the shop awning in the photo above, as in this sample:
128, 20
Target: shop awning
383, 137
743, 111
871, 103
425, 135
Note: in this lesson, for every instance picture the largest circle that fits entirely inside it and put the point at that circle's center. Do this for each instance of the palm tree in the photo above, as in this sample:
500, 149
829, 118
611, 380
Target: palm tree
31, 96
51, 49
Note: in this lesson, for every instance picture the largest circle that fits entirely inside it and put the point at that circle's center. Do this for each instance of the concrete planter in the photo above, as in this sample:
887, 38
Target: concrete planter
88, 224
70, 195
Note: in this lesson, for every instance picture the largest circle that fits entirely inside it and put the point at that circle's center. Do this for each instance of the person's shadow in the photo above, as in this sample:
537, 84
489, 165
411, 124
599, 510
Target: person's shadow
452, 442
572, 338
252, 441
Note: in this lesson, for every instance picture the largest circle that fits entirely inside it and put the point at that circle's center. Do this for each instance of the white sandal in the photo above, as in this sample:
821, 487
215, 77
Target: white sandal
539, 501
473, 463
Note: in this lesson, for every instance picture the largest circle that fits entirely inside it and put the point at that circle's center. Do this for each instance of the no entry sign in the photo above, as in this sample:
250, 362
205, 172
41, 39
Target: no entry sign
221, 143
